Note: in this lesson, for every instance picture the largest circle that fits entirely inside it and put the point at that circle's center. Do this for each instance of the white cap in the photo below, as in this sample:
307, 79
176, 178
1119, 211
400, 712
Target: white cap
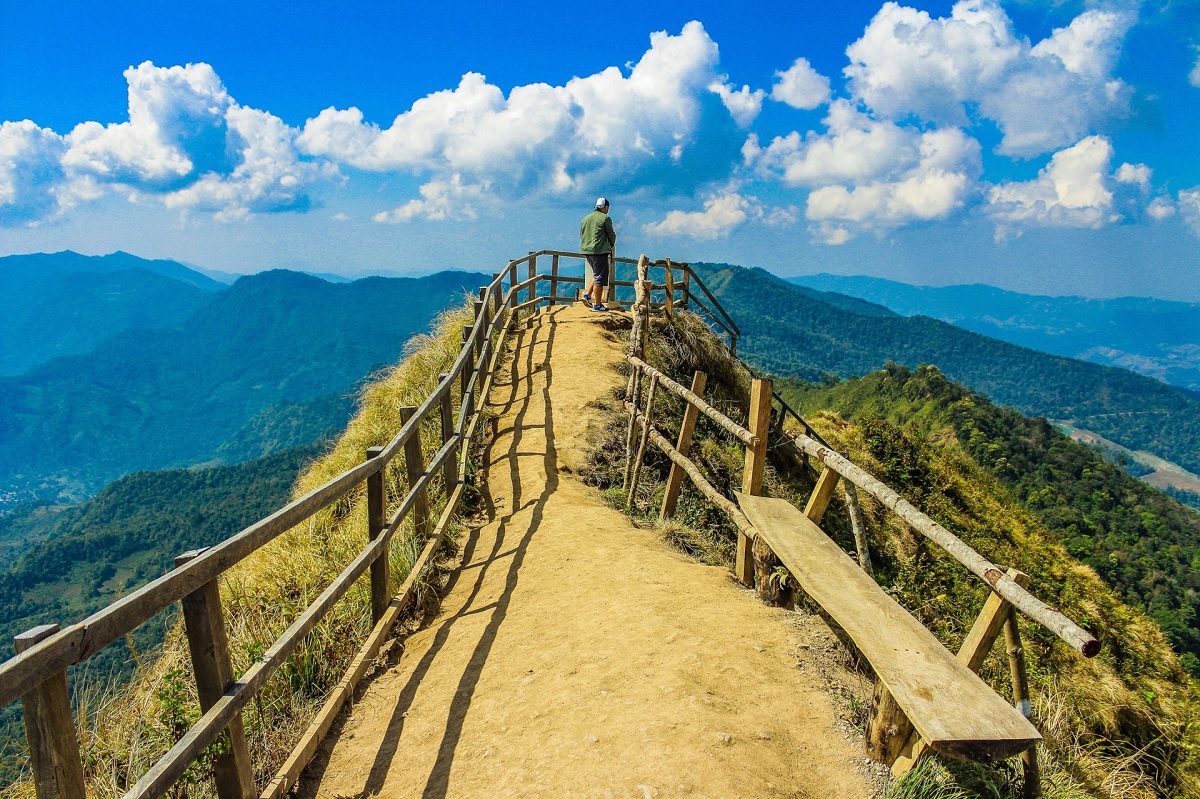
601, 202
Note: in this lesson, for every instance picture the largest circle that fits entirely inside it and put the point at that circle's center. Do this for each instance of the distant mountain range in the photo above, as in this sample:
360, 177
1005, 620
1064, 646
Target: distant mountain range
818, 336
1154, 337
177, 369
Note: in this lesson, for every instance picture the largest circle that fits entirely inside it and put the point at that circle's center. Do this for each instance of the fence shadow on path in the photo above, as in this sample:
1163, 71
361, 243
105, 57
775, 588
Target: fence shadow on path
531, 366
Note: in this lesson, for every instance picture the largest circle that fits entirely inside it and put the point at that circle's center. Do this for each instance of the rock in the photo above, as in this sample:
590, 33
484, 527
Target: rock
724, 737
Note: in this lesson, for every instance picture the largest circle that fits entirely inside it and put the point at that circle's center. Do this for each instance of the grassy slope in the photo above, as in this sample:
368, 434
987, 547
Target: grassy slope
792, 333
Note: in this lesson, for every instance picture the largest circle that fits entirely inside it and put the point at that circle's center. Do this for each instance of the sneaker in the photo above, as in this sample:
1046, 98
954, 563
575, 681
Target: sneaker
599, 307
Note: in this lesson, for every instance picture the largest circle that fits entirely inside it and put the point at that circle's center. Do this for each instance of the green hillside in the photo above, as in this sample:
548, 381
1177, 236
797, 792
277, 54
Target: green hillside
67, 304
789, 331
169, 398
1153, 337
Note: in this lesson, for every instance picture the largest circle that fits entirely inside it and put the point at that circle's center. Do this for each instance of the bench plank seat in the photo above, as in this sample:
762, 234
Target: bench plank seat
954, 711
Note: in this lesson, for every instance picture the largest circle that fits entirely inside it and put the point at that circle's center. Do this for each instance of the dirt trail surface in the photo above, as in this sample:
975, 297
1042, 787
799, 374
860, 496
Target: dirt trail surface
576, 655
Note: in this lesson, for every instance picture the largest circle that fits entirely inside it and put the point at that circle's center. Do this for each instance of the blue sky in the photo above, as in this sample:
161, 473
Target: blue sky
1046, 147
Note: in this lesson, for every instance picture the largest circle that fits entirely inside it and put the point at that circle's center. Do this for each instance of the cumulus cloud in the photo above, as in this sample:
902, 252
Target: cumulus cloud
30, 168
937, 185
801, 86
945, 70
594, 131
1189, 208
1071, 191
186, 143
1161, 208
743, 105
440, 199
1137, 174
722, 213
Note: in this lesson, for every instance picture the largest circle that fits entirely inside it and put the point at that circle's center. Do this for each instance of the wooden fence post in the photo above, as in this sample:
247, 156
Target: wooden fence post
684, 444
497, 298
50, 729
532, 275
669, 282
975, 647
1020, 682
381, 573
512, 281
466, 404
209, 646
553, 279
414, 464
850, 494
687, 285
633, 394
641, 311
450, 472
647, 421
752, 473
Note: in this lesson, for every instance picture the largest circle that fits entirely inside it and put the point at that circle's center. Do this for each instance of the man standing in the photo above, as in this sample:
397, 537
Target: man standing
596, 240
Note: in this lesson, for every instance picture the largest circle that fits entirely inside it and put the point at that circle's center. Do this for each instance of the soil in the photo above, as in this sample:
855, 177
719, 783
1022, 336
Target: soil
577, 655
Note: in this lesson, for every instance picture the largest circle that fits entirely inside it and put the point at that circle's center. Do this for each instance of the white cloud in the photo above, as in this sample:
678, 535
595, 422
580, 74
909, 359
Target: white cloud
440, 200
743, 105
943, 70
1189, 208
1071, 191
801, 86
1161, 208
855, 147
594, 131
937, 185
29, 169
1137, 174
721, 214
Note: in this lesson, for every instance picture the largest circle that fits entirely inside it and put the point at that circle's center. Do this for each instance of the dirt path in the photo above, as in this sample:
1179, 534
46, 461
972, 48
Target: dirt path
576, 655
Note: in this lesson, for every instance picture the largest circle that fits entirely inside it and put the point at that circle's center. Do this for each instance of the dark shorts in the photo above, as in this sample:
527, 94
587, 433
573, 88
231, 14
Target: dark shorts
599, 265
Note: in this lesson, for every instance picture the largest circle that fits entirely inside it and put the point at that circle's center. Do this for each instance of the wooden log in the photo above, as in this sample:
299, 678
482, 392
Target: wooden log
850, 494
466, 405
974, 650
721, 420
633, 395
285, 779
822, 493
641, 314
450, 474
682, 445
755, 467
211, 664
532, 275
1002, 584
687, 285
669, 287
381, 589
50, 729
414, 464
948, 704
647, 426
1020, 684
553, 280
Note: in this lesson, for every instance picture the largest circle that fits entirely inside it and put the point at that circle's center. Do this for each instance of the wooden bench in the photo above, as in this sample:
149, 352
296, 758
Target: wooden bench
952, 709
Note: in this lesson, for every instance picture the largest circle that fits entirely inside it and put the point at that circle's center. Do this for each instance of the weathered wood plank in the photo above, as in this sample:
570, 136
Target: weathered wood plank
952, 709
682, 445
50, 729
759, 419
822, 493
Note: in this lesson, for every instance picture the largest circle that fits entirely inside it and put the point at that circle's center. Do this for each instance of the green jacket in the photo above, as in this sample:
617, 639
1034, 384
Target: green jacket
596, 234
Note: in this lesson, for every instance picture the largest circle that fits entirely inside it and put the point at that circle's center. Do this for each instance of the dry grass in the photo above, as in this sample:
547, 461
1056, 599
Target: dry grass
125, 731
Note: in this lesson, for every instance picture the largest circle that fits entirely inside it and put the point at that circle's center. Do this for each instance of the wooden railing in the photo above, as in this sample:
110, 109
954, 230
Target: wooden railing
890, 736
37, 675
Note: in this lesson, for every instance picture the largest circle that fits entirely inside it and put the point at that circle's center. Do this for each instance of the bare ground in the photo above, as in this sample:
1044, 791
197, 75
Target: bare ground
577, 655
